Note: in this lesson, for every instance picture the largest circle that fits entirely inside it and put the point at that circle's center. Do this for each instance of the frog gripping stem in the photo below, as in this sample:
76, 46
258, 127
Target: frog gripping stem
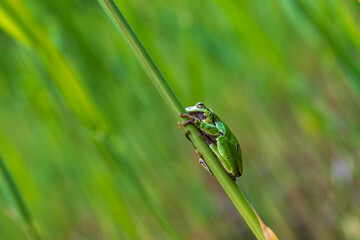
176, 106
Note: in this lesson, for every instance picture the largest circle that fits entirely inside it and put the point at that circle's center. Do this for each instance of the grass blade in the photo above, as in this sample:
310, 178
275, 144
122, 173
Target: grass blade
20, 203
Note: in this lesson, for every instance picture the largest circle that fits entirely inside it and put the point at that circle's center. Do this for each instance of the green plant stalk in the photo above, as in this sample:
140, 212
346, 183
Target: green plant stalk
169, 96
21, 206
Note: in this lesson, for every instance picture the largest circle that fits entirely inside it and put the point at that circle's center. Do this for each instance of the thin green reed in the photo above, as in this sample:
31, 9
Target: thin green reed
24, 212
176, 106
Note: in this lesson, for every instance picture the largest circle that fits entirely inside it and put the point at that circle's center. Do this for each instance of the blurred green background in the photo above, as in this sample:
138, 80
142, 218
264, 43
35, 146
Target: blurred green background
96, 153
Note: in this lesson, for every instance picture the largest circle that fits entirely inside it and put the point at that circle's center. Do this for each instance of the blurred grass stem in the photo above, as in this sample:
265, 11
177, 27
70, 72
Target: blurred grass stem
169, 96
19, 201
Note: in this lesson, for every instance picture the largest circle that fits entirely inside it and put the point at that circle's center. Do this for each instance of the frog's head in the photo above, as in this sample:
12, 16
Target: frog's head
201, 112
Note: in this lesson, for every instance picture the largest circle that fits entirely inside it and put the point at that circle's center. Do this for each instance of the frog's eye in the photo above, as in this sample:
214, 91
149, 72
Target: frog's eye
200, 105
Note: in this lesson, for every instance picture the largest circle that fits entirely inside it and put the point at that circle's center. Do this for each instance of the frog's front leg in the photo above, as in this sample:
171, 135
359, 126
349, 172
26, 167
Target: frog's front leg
192, 120
210, 129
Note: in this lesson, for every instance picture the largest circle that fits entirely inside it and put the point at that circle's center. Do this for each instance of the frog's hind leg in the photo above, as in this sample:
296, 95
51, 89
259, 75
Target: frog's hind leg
222, 162
187, 132
190, 121
200, 156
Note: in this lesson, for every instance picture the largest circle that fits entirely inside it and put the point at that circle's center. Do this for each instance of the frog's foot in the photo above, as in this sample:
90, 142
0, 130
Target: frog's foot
181, 126
203, 163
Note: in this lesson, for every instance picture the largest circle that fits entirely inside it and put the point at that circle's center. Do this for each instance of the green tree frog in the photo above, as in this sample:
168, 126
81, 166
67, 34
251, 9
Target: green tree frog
219, 138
